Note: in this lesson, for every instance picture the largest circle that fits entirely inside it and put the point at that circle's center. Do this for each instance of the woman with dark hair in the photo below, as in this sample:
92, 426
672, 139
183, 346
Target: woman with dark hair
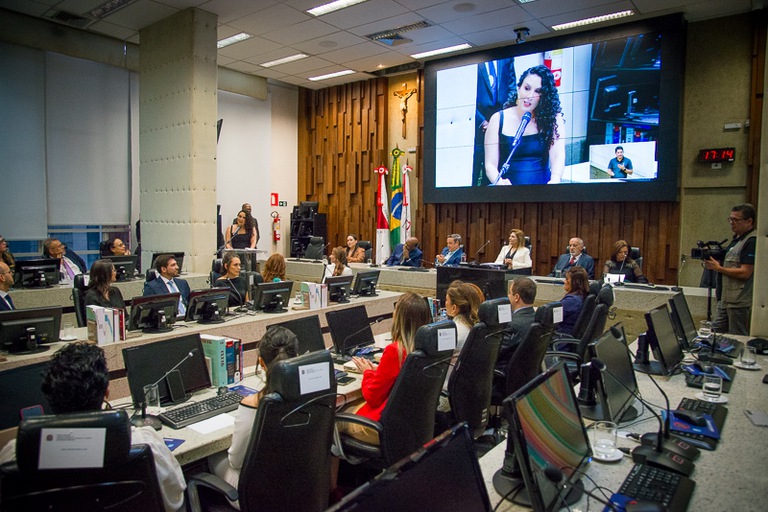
355, 253
5, 255
274, 268
621, 263
242, 234
337, 265
277, 344
100, 290
238, 286
540, 155
576, 290
515, 254
114, 247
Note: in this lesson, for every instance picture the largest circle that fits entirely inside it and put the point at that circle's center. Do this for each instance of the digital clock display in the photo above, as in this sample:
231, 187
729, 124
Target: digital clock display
717, 155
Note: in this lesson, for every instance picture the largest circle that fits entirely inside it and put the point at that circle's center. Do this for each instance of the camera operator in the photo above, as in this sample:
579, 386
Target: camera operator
735, 279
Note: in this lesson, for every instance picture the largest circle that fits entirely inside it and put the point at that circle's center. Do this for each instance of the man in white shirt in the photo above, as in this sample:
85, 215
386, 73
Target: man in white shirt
168, 282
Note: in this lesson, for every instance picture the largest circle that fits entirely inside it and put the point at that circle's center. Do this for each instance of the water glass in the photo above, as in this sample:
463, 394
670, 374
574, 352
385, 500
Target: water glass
69, 331
749, 356
705, 329
712, 387
152, 398
603, 439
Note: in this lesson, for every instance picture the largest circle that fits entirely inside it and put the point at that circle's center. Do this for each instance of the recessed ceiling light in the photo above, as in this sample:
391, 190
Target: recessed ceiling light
596, 19
333, 6
464, 7
441, 51
284, 60
242, 36
109, 7
331, 75
525, 1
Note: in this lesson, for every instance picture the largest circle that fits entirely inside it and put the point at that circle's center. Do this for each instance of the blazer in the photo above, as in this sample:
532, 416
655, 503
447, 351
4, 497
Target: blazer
157, 287
414, 257
4, 306
522, 257
584, 260
455, 258
515, 332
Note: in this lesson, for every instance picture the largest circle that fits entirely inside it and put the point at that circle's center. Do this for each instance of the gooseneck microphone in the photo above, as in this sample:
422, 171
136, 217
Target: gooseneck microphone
504, 171
477, 253
231, 285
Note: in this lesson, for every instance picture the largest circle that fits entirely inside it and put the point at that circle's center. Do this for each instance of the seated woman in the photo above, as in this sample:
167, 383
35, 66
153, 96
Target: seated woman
277, 344
621, 263
576, 290
242, 234
515, 254
237, 284
355, 254
274, 269
100, 292
338, 264
5, 255
114, 247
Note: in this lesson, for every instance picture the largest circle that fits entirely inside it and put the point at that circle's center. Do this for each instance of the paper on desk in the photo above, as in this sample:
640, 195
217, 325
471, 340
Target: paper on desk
212, 424
758, 418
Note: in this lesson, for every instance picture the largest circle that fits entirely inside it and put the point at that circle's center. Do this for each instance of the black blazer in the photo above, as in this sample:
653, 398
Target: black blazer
514, 333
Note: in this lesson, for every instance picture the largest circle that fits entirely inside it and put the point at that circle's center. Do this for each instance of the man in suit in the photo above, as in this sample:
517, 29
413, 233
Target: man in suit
574, 257
168, 282
6, 283
452, 252
53, 248
522, 293
407, 254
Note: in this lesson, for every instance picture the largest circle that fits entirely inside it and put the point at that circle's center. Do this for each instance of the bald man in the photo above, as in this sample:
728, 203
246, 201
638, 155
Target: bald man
6, 283
574, 257
407, 254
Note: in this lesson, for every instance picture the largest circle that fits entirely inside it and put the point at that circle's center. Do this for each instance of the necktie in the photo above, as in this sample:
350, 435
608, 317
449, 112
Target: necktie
9, 301
573, 261
70, 273
174, 289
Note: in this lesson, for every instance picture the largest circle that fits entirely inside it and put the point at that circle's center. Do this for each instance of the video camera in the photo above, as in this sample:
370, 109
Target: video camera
706, 250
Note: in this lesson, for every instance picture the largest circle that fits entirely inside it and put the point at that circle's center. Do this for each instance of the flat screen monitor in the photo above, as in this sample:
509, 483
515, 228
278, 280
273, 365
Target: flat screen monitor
208, 305
125, 266
350, 328
23, 331
20, 394
338, 288
492, 282
365, 282
146, 364
548, 432
307, 208
307, 330
177, 255
662, 341
38, 273
682, 321
617, 386
272, 297
154, 313
443, 475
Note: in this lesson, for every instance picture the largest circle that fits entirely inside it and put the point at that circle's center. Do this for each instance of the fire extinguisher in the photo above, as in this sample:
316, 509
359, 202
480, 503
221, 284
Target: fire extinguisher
275, 227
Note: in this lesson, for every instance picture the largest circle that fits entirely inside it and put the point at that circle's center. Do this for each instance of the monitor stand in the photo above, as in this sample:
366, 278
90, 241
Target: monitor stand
651, 367
37, 350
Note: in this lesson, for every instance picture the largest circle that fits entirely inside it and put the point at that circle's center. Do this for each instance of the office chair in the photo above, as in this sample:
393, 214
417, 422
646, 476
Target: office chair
126, 482
78, 298
634, 253
216, 271
151, 274
470, 382
315, 248
587, 309
366, 244
408, 419
287, 463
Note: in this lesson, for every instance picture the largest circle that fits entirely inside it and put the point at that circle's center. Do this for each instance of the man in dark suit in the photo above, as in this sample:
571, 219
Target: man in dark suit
168, 282
574, 257
6, 283
522, 293
407, 254
452, 252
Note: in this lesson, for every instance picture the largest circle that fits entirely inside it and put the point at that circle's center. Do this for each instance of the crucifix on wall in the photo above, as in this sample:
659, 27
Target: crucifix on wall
404, 95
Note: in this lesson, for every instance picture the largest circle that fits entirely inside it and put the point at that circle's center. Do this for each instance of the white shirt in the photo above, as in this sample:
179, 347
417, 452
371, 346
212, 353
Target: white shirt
329, 268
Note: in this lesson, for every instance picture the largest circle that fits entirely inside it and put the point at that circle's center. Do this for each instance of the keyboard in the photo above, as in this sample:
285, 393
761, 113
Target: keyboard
672, 490
185, 415
726, 343
718, 413
695, 381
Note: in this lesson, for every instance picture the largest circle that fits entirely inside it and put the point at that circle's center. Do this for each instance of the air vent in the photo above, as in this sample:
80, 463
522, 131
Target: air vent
67, 18
393, 36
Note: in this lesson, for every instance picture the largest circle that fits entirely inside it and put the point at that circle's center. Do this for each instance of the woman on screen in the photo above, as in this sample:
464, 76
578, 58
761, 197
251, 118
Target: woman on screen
274, 269
576, 288
355, 253
277, 344
540, 155
100, 290
338, 264
621, 263
241, 235
515, 254
238, 286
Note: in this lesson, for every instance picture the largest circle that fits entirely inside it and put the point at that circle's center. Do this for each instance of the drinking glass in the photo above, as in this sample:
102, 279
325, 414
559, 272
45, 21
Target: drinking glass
152, 397
712, 388
705, 329
603, 439
749, 356
69, 331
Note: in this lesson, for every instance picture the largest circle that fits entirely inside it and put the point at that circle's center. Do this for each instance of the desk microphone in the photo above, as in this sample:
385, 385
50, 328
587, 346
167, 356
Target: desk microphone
233, 287
367, 326
474, 261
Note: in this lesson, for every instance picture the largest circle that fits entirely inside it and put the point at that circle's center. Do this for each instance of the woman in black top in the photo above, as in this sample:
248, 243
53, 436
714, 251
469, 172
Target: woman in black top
100, 292
237, 285
243, 234
621, 263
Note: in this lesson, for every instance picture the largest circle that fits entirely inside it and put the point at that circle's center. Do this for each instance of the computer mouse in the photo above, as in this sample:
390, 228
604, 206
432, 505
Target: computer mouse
223, 390
691, 417
760, 344
644, 506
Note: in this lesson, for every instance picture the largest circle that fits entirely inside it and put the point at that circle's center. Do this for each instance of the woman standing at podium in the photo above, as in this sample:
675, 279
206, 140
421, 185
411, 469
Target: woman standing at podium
241, 235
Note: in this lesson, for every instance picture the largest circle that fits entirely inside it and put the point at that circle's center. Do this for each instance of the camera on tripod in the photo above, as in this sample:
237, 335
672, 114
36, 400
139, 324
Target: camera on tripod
706, 250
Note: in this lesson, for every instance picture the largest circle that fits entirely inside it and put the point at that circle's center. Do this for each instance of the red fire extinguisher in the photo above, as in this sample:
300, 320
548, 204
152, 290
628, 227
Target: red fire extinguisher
275, 227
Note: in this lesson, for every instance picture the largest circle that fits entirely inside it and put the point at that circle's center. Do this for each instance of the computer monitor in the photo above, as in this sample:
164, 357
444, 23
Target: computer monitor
492, 282
208, 305
443, 475
177, 255
22, 331
682, 321
39, 273
20, 394
547, 432
365, 282
154, 313
350, 328
338, 288
616, 388
307, 208
307, 330
662, 341
146, 364
125, 265
272, 297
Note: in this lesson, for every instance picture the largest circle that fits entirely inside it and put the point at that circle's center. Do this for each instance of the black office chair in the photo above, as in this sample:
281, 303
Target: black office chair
127, 480
216, 271
587, 309
634, 253
78, 298
470, 382
408, 419
314, 250
151, 274
287, 463
366, 244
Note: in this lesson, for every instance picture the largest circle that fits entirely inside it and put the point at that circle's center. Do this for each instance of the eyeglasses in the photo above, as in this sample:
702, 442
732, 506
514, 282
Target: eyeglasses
734, 220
